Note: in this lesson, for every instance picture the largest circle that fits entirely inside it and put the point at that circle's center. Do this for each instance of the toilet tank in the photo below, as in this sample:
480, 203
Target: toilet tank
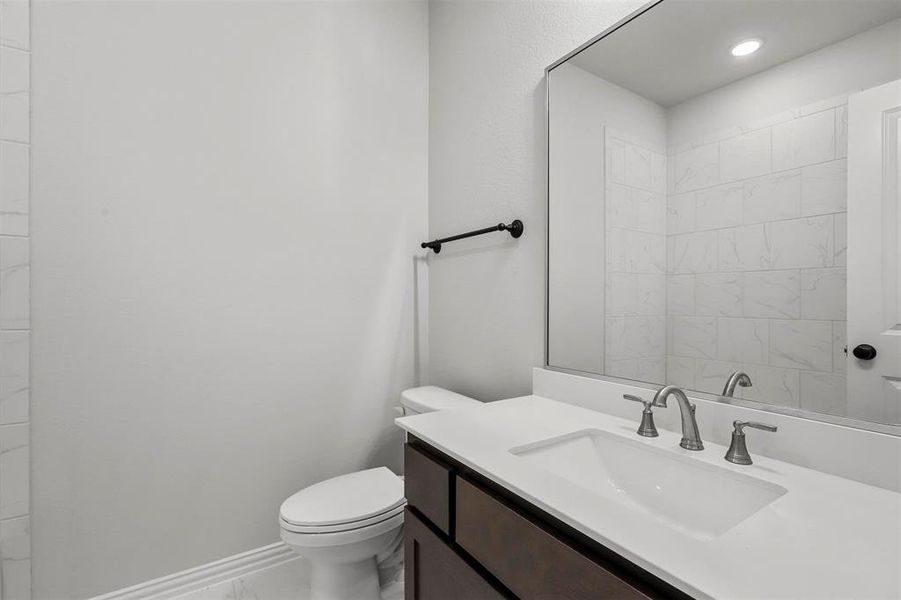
430, 398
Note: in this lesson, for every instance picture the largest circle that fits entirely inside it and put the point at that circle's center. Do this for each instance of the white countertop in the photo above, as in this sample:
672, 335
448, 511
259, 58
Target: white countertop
827, 537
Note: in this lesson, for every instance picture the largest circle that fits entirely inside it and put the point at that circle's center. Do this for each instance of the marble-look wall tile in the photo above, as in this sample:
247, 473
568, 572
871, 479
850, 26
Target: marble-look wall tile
799, 344
635, 337
692, 252
638, 167
650, 370
680, 294
719, 206
841, 240
824, 293
801, 243
774, 294
745, 248
824, 392
719, 294
745, 156
696, 168
635, 252
839, 343
841, 131
680, 371
772, 385
635, 209
615, 160
14, 175
14, 23
772, 197
15, 559
14, 348
680, 213
14, 94
695, 337
633, 294
824, 188
14, 283
804, 141
658, 173
14, 461
743, 340
711, 375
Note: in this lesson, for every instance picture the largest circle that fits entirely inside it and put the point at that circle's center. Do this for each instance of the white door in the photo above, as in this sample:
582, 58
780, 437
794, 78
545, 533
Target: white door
874, 253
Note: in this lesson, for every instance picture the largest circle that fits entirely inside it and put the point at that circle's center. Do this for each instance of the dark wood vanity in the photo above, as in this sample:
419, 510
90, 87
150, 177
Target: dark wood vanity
468, 539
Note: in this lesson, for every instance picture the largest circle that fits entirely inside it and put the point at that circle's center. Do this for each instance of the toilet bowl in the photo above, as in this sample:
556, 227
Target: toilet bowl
342, 524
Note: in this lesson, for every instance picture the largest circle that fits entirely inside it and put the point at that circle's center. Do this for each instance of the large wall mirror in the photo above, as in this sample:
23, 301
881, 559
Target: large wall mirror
724, 181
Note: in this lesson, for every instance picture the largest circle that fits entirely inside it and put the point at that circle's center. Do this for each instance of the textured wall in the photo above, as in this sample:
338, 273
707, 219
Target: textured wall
487, 163
227, 200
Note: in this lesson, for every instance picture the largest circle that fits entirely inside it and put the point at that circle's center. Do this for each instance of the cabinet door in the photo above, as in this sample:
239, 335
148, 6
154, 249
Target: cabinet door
433, 571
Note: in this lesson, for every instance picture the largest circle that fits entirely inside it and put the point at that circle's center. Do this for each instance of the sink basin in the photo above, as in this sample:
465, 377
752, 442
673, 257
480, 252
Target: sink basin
701, 500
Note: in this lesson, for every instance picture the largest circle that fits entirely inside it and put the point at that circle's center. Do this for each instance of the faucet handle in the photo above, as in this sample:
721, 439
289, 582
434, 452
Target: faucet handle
740, 425
738, 449
647, 427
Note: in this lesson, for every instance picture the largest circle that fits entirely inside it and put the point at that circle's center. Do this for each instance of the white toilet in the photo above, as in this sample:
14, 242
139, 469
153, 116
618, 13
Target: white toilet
341, 524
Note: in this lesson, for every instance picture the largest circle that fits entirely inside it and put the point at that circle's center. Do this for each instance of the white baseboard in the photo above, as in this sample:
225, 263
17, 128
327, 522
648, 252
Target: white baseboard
206, 575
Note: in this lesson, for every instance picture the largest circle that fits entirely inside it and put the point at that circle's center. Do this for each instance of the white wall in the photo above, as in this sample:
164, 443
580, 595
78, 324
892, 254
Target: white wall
857, 63
227, 199
487, 158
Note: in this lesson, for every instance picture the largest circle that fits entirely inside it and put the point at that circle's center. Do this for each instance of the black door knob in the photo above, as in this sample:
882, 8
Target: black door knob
864, 352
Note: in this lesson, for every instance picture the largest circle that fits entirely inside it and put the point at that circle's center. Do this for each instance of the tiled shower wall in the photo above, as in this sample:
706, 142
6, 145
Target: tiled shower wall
756, 276
635, 284
15, 539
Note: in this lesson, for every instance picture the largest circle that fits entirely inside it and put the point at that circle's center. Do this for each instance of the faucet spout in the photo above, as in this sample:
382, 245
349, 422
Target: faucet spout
737, 378
691, 437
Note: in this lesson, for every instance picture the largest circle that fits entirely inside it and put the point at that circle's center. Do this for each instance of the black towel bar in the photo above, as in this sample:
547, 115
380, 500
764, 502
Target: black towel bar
515, 228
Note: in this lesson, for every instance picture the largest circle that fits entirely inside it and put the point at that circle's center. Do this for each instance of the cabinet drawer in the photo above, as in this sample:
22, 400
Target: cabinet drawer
528, 560
433, 571
428, 487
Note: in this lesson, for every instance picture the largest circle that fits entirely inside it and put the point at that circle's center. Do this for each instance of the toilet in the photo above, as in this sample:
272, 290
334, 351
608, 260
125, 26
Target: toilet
342, 524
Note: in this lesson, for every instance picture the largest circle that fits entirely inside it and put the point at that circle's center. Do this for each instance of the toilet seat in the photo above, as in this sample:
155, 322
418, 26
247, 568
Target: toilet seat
345, 503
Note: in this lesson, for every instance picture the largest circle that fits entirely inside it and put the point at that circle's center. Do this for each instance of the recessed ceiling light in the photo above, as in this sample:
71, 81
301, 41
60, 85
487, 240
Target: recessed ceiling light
746, 47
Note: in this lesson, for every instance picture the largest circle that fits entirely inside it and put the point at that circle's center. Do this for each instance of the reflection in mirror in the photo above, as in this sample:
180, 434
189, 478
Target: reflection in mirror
723, 190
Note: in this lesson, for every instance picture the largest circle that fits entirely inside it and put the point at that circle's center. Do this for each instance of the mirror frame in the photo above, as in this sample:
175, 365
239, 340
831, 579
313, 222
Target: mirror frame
884, 428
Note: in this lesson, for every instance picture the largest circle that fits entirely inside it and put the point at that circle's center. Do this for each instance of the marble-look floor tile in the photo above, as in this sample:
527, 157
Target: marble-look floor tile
798, 344
287, 580
220, 591
824, 392
15, 558
804, 141
824, 294
14, 461
719, 294
824, 188
14, 377
774, 294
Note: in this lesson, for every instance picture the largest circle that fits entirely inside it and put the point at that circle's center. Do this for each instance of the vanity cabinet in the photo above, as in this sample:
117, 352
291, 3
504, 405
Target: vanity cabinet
467, 538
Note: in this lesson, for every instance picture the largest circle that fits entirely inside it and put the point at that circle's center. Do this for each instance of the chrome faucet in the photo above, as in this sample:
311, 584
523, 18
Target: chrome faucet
738, 450
691, 438
737, 378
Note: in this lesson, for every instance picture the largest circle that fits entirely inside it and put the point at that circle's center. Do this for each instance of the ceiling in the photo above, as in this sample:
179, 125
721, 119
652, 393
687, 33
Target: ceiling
680, 49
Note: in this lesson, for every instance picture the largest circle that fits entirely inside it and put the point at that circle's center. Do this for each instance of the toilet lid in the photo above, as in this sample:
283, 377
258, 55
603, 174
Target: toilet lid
347, 498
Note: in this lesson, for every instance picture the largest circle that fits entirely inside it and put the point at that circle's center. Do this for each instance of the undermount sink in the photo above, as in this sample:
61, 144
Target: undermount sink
694, 497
